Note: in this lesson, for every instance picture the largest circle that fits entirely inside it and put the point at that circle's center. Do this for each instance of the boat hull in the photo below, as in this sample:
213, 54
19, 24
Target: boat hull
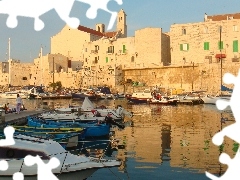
213, 100
138, 100
82, 96
91, 130
165, 103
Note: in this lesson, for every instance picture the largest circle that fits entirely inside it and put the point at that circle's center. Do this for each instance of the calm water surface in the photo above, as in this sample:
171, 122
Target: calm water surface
162, 142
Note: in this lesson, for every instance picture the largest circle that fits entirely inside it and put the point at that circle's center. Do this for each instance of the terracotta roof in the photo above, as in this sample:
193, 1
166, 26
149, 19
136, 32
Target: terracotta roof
110, 34
91, 31
97, 33
224, 17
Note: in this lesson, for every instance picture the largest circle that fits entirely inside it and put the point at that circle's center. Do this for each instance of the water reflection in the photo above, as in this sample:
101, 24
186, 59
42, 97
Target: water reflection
165, 138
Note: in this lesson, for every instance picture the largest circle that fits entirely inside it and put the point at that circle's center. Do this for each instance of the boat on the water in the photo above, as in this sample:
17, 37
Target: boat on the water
140, 97
93, 129
164, 101
13, 95
60, 132
79, 167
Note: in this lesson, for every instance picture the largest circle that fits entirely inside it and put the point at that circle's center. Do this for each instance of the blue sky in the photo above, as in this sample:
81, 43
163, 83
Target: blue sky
26, 42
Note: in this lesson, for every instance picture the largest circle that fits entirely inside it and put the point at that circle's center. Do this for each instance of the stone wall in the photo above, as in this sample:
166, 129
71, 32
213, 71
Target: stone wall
188, 77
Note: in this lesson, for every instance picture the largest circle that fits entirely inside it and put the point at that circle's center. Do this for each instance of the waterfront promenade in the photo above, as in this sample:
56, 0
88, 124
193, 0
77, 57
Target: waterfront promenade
13, 118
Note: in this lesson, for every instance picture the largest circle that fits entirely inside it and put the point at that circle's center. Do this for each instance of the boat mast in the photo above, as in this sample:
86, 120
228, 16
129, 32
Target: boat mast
41, 66
221, 58
9, 62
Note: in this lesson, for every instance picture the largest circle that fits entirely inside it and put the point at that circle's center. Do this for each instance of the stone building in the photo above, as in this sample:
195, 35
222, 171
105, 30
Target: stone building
187, 57
55, 67
200, 42
107, 58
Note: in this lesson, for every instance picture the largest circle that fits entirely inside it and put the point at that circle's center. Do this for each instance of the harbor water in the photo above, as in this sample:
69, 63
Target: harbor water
160, 142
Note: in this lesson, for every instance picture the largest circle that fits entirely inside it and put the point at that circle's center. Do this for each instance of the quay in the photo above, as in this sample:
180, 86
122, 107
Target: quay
18, 119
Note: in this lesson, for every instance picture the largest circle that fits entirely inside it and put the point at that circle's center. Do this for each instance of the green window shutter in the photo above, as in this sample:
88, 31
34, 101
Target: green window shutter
106, 59
181, 47
220, 45
235, 46
124, 48
206, 45
187, 46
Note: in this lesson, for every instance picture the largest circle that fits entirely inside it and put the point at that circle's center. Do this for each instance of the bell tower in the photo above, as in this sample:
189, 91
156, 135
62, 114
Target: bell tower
121, 23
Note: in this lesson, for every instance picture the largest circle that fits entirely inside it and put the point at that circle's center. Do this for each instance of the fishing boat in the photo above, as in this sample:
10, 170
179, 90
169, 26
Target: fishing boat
164, 101
13, 95
69, 140
68, 115
140, 97
93, 129
55, 132
75, 167
117, 114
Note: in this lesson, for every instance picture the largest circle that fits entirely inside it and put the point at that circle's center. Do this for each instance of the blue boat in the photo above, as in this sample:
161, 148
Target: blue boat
66, 140
92, 129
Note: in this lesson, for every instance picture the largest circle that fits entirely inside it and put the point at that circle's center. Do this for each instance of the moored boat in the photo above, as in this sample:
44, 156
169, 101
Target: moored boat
164, 101
80, 166
140, 97
94, 129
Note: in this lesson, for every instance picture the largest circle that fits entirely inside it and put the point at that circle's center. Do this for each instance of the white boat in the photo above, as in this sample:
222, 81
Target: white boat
74, 167
66, 114
13, 95
140, 97
116, 114
208, 99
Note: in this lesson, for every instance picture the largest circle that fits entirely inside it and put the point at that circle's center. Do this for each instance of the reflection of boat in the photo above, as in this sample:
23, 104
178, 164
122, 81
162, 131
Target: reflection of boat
79, 166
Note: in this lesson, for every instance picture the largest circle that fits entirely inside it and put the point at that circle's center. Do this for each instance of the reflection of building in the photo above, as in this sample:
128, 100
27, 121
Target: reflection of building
192, 146
143, 141
166, 142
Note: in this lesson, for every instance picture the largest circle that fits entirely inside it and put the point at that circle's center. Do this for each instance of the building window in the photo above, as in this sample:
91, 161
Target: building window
106, 59
85, 59
110, 49
235, 28
96, 48
124, 49
184, 31
132, 59
235, 46
205, 30
184, 47
220, 45
24, 78
85, 49
96, 60
206, 45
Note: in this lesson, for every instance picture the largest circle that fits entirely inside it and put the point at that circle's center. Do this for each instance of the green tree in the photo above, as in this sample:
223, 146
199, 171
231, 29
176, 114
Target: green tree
56, 86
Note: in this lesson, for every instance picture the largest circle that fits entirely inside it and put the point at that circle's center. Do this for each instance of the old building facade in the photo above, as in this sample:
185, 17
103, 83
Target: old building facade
187, 57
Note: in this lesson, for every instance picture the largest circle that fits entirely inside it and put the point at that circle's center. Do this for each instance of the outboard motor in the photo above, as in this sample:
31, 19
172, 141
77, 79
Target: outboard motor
109, 120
